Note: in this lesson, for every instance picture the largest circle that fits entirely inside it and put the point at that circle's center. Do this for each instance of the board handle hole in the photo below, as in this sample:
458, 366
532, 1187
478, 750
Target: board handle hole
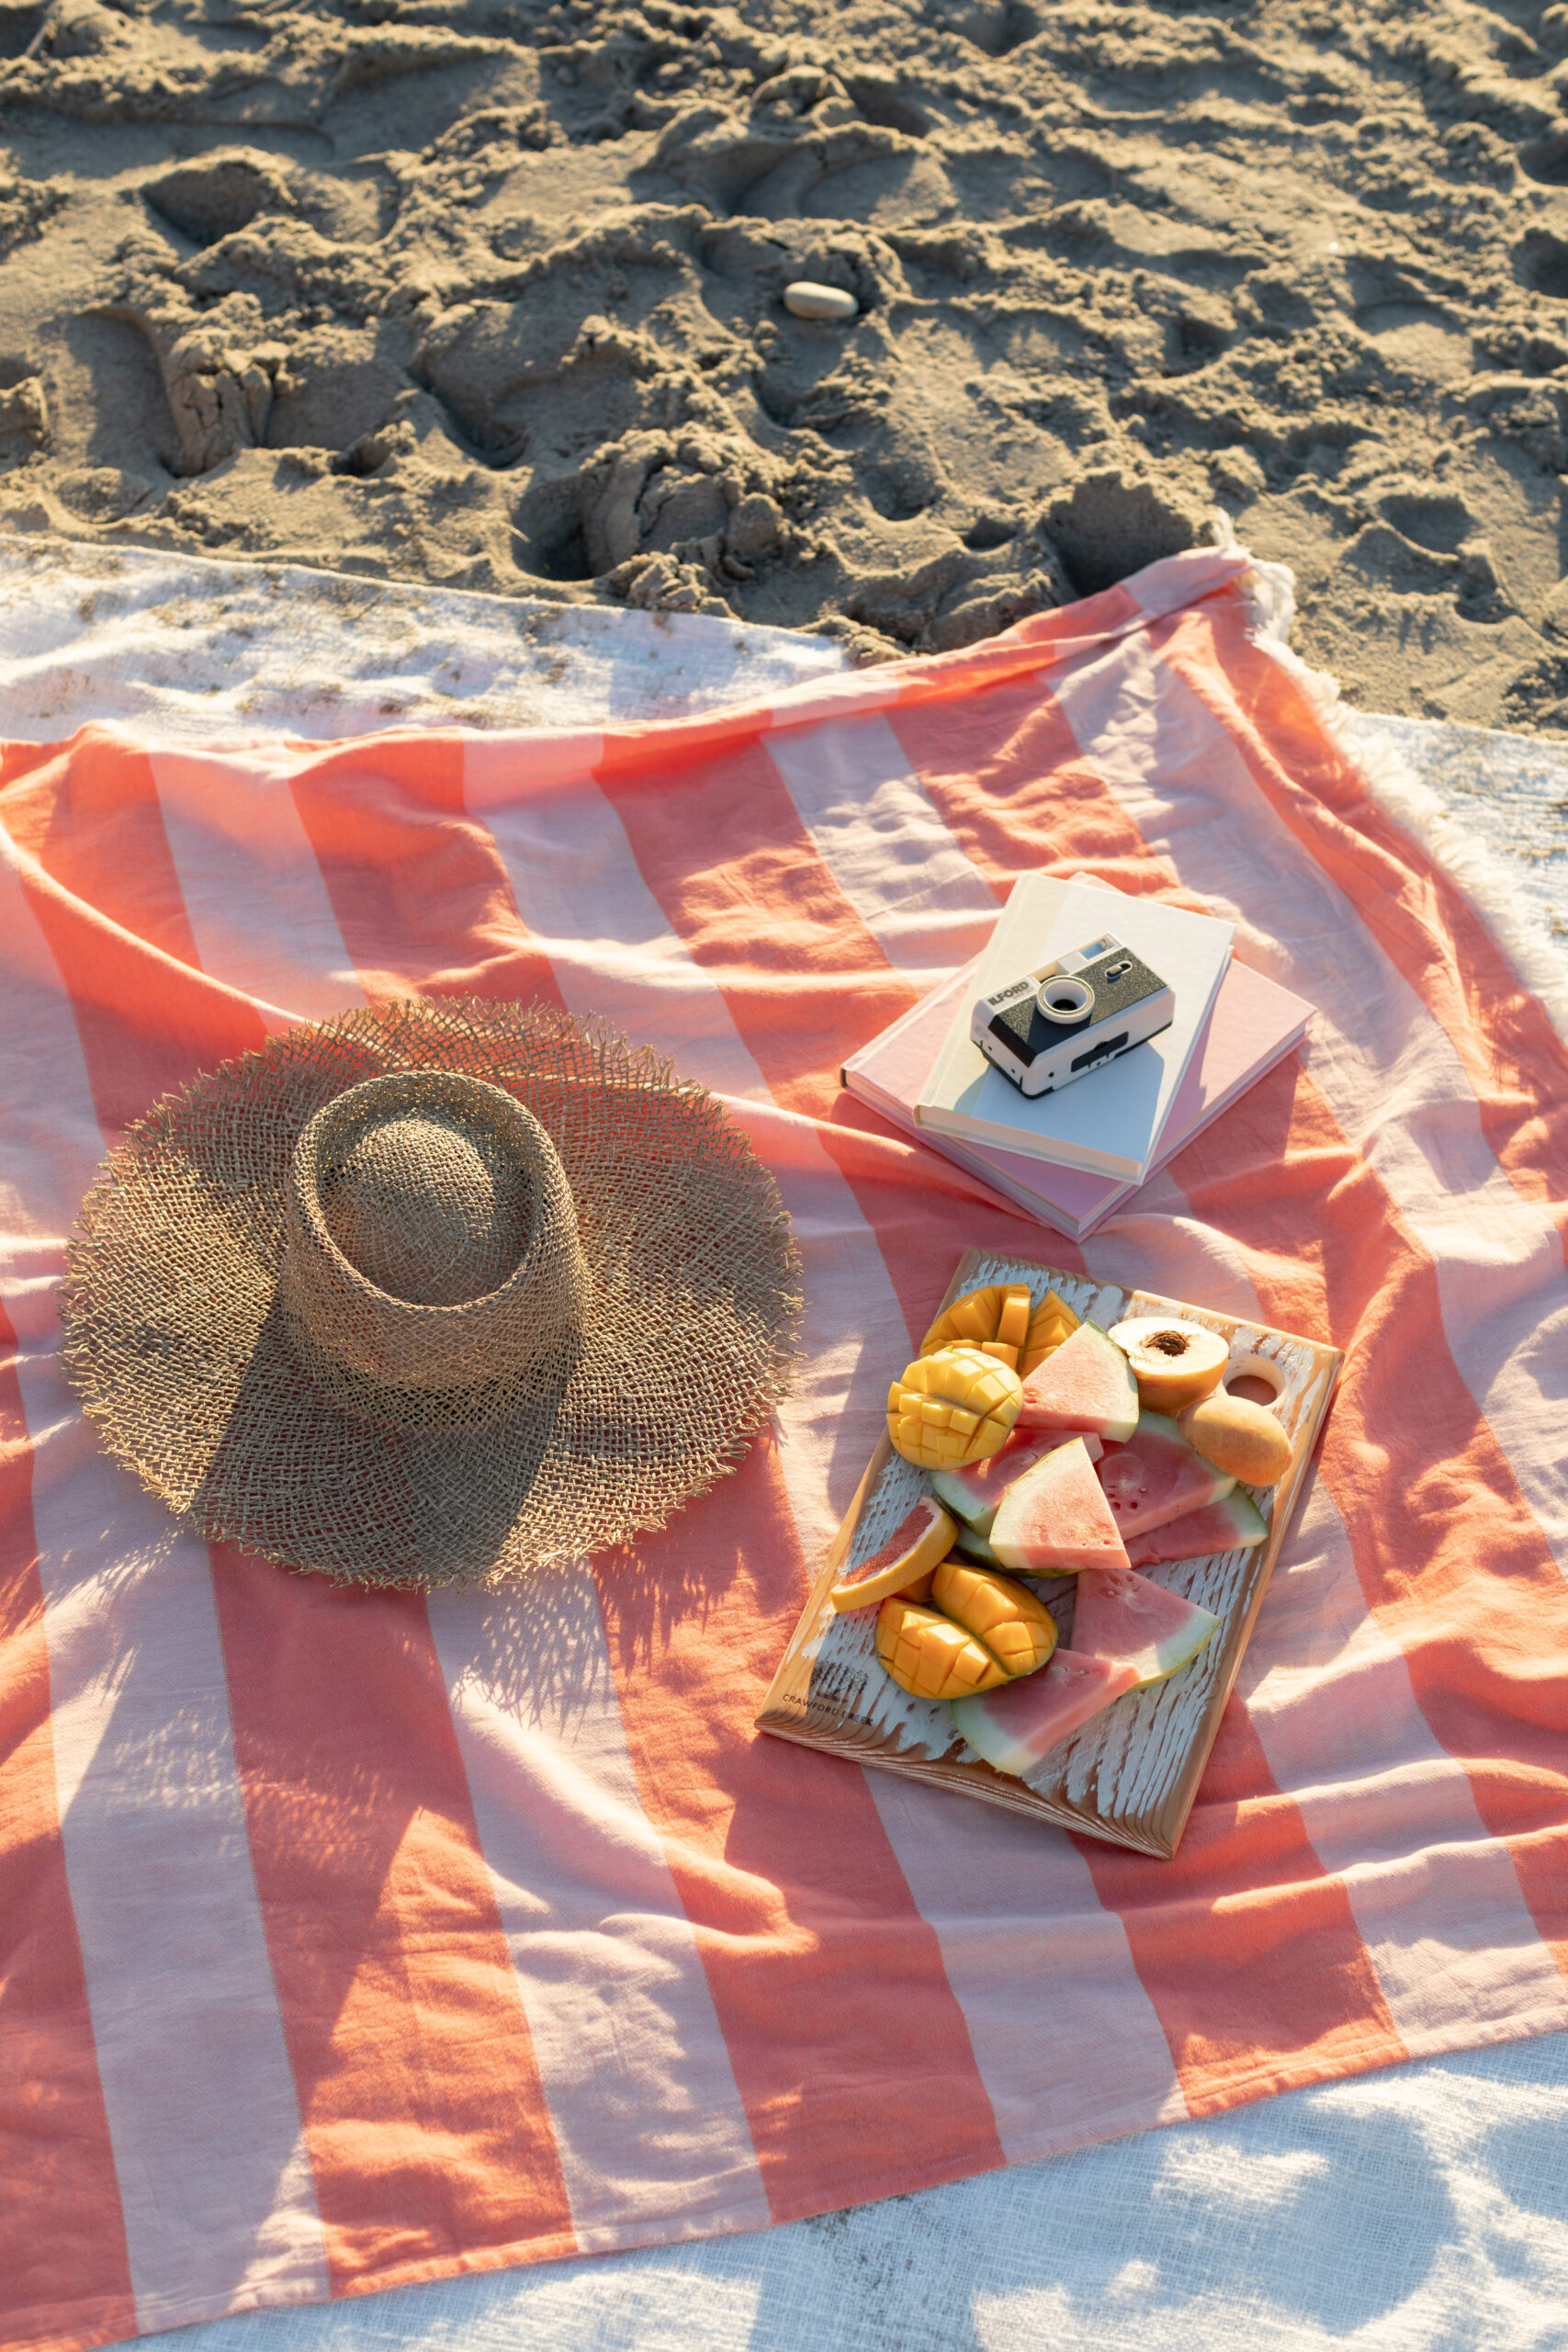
1256, 1379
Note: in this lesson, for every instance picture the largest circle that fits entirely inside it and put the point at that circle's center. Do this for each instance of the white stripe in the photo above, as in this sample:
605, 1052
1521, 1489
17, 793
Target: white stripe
1042, 1971
884, 843
1386, 1067
1435, 1895
203, 2115
258, 908
649, 2123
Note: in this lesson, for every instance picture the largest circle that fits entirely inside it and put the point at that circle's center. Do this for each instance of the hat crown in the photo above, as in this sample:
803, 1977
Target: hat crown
422, 1209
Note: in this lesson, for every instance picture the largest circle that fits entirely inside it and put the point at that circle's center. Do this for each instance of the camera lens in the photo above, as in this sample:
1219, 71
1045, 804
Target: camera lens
1067, 1000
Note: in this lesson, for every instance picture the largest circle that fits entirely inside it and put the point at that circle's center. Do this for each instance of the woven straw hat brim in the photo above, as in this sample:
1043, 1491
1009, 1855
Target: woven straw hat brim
177, 1337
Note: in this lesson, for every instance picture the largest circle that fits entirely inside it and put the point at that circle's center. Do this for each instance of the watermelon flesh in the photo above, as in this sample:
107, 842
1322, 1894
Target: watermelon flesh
1231, 1525
1055, 1521
1087, 1384
974, 1492
1119, 1614
1014, 1727
1157, 1475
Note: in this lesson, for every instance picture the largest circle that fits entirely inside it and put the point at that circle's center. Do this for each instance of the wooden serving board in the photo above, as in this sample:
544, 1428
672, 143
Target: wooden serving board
1131, 1774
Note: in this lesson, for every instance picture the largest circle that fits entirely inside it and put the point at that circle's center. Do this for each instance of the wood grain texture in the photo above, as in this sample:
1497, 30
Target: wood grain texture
1131, 1774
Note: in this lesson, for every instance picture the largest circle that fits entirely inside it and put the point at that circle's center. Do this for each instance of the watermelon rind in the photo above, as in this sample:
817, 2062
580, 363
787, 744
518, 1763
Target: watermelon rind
1159, 1474
975, 1546
1233, 1524
974, 1493
1055, 1521
1040, 1710
1087, 1384
1120, 1614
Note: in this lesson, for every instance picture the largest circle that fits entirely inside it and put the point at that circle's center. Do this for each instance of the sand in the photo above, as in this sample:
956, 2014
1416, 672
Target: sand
488, 294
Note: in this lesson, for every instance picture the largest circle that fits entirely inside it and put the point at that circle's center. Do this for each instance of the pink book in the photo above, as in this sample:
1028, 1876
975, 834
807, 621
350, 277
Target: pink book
1254, 1023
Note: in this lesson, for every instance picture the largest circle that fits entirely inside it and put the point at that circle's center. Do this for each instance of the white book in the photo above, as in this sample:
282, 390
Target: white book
1111, 1121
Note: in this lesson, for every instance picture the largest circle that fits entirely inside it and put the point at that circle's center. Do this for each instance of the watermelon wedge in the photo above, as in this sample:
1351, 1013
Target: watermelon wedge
1232, 1525
1055, 1521
1157, 1475
972, 1493
1087, 1383
1118, 1613
1014, 1727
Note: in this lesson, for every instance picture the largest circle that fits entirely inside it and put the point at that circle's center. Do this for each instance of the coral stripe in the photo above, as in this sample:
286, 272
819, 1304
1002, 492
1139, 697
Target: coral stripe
418, 889
93, 863
62, 2250
422, 2108
805, 981
849, 2048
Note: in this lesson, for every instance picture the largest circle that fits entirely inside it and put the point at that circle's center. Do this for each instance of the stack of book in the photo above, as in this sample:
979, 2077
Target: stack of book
1071, 1157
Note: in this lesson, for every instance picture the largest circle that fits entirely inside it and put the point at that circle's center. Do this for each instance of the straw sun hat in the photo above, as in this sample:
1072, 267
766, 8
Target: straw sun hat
432, 1293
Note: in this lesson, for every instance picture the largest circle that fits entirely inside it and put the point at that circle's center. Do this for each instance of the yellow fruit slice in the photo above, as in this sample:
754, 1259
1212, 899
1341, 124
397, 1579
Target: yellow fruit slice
931, 1656
955, 1406
1052, 1322
1014, 1626
922, 1537
993, 1319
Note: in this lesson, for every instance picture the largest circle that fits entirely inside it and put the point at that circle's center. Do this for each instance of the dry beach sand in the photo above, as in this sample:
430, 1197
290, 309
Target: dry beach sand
488, 292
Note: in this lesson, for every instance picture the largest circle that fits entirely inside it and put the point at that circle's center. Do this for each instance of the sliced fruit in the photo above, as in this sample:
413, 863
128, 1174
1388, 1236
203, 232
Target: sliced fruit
920, 1589
1234, 1525
1118, 1613
1173, 1363
929, 1655
922, 1537
995, 1320
1087, 1384
973, 1492
1157, 1475
1014, 1626
954, 1406
1055, 1521
1012, 1728
1052, 1322
1241, 1437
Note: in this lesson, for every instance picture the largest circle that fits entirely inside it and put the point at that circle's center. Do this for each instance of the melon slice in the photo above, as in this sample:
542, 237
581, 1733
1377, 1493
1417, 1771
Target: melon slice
974, 1492
1055, 1521
1157, 1475
1118, 1613
1014, 1727
1087, 1384
1232, 1525
921, 1538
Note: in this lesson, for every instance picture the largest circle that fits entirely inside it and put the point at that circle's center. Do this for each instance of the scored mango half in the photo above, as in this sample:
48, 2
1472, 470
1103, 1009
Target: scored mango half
995, 1320
1017, 1628
954, 1406
1052, 1322
931, 1656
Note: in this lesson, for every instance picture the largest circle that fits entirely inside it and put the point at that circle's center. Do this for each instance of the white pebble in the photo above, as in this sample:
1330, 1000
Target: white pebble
809, 300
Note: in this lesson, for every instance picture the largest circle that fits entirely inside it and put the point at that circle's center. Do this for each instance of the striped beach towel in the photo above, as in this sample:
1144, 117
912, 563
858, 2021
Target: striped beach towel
348, 1940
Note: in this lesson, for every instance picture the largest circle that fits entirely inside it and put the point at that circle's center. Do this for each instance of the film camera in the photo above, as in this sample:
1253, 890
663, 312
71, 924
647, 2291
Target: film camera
1069, 1017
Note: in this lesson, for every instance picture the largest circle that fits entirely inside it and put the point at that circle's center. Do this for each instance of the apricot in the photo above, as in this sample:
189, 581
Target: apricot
1238, 1436
1173, 1363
